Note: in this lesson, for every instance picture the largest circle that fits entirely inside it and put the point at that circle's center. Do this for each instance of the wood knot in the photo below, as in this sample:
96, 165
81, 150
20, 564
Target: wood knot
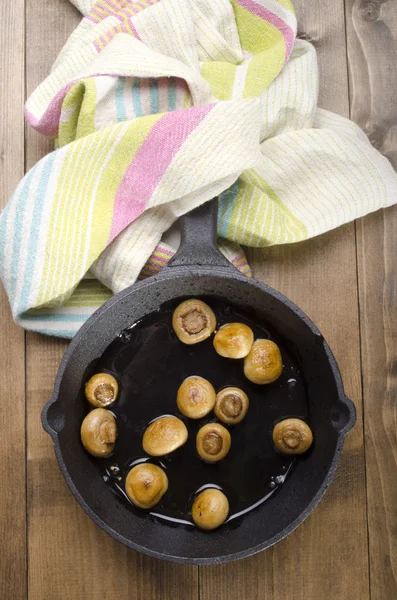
371, 11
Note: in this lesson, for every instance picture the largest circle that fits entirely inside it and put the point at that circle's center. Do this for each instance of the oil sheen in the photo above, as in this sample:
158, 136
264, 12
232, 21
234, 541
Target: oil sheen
150, 364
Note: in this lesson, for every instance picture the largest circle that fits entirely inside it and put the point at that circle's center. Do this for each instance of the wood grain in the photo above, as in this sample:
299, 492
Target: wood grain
69, 556
12, 380
320, 559
372, 52
372, 29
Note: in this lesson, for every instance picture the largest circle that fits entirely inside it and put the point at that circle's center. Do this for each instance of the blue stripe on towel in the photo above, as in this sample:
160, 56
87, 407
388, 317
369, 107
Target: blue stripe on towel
136, 97
171, 94
154, 96
22, 200
35, 231
120, 103
226, 203
56, 318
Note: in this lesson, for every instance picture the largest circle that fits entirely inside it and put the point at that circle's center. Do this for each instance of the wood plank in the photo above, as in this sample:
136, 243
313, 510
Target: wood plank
372, 54
12, 353
321, 559
69, 557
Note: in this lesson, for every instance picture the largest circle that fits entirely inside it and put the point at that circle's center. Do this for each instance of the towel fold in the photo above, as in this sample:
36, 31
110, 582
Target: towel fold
156, 107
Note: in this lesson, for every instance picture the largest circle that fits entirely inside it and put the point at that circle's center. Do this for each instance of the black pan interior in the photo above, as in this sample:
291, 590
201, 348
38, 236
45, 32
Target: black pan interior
150, 363
328, 415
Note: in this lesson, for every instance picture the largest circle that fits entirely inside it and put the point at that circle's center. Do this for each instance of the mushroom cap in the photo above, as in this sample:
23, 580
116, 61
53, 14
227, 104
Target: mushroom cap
193, 321
210, 509
101, 390
231, 405
234, 340
196, 397
264, 363
292, 436
164, 435
99, 432
146, 484
213, 442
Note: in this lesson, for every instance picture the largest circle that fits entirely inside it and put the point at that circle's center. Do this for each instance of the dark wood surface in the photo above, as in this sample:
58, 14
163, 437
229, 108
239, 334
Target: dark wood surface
372, 51
12, 380
345, 280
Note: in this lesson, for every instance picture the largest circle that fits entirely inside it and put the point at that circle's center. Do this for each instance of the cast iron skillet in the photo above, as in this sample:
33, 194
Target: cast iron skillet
199, 269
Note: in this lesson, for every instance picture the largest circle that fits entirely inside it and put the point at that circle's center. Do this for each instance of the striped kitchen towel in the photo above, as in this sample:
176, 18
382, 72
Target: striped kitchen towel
157, 106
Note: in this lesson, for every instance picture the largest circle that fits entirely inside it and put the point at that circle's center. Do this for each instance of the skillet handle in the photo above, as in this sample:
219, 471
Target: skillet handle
198, 239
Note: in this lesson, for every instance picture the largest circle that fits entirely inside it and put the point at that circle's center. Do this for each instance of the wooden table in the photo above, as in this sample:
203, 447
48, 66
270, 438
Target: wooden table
346, 281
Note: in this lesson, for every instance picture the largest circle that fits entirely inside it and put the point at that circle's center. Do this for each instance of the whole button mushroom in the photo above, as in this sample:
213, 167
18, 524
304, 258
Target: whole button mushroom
213, 442
234, 340
196, 397
99, 432
193, 321
264, 363
146, 484
101, 390
210, 509
292, 436
164, 435
231, 405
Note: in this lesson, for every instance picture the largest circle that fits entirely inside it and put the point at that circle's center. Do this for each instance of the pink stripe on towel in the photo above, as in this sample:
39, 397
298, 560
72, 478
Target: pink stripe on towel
49, 122
163, 250
151, 161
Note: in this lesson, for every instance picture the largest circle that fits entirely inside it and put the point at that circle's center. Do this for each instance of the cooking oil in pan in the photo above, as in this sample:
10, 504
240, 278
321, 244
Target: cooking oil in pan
150, 364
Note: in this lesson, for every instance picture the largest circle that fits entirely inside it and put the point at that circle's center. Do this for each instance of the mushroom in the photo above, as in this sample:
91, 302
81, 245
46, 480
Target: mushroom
210, 509
193, 321
146, 484
234, 340
99, 432
164, 435
231, 405
196, 397
101, 390
292, 436
264, 363
213, 442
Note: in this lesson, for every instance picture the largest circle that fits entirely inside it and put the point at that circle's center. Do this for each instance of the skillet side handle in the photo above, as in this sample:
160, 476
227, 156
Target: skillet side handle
53, 418
198, 239
352, 415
